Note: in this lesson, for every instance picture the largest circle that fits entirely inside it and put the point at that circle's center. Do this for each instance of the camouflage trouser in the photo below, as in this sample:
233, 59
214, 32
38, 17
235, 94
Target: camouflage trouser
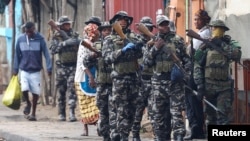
112, 116
124, 96
102, 101
65, 82
144, 100
161, 109
219, 94
177, 105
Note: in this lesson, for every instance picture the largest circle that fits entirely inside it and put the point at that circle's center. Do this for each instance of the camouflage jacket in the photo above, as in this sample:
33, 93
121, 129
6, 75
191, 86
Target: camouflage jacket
162, 57
122, 63
208, 57
66, 46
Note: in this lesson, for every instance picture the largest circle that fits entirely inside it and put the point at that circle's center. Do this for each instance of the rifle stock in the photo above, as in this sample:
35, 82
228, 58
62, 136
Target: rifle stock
54, 26
117, 27
88, 46
143, 29
52, 23
195, 35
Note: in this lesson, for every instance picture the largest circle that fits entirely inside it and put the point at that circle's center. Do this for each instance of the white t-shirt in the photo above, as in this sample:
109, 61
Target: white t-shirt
80, 68
205, 33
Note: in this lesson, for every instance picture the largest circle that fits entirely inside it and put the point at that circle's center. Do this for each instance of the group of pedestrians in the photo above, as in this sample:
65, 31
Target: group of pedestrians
114, 79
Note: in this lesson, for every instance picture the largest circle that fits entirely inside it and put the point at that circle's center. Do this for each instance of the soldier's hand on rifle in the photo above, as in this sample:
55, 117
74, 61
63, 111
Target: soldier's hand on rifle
62, 44
129, 46
200, 92
159, 43
150, 43
95, 55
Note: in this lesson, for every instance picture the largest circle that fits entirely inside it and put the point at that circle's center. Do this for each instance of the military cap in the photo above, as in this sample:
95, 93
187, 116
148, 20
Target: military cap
121, 14
105, 24
147, 21
63, 19
161, 18
219, 23
94, 19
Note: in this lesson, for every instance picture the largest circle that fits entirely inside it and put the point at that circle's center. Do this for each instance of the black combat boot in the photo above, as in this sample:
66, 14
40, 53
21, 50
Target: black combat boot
72, 116
62, 114
196, 133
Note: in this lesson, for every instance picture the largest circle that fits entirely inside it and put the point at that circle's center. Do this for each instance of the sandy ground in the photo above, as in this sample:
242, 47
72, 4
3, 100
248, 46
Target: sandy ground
13, 126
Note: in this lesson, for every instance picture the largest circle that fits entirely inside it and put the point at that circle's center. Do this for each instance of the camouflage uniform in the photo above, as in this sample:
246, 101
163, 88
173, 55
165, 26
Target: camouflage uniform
124, 78
145, 95
65, 46
168, 95
211, 74
103, 90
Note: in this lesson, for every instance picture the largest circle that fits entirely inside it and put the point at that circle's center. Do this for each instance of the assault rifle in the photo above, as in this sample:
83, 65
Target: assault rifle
143, 29
206, 101
54, 26
88, 46
118, 29
195, 35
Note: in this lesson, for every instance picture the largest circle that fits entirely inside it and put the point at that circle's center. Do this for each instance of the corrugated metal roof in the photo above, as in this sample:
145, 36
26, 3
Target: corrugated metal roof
135, 8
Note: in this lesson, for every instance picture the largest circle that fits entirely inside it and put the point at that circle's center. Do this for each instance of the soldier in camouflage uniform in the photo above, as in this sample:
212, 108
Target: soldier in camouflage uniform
145, 95
104, 86
122, 55
211, 72
168, 91
65, 46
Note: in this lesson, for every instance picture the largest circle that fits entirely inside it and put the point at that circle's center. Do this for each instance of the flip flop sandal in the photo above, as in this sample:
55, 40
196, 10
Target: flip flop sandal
26, 110
31, 118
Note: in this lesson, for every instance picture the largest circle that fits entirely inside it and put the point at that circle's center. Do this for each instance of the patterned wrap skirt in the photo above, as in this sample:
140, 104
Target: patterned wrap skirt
87, 105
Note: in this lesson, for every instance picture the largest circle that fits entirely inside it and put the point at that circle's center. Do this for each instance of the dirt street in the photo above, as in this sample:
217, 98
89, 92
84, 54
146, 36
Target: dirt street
14, 127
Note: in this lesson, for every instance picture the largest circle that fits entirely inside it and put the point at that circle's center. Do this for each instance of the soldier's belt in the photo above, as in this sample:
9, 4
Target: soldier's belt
163, 76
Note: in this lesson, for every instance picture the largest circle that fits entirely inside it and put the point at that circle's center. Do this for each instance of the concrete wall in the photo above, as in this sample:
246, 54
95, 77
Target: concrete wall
85, 9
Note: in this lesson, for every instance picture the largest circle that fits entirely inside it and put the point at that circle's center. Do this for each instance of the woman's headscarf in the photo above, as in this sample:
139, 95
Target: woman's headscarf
91, 31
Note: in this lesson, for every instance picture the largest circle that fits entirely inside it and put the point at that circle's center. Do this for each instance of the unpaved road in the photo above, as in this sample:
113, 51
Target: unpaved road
14, 127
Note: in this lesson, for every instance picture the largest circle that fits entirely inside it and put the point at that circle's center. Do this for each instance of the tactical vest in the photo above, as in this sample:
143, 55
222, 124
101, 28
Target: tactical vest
124, 66
103, 70
164, 62
217, 66
146, 69
68, 54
